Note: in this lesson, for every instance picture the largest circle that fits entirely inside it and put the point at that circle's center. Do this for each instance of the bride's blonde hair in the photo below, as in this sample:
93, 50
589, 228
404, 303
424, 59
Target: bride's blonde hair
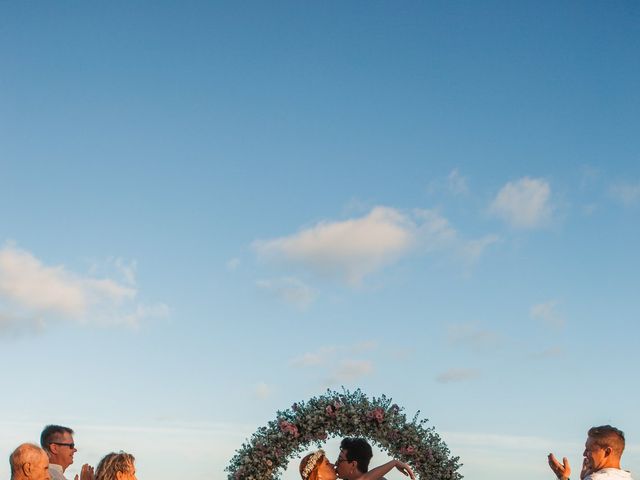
309, 465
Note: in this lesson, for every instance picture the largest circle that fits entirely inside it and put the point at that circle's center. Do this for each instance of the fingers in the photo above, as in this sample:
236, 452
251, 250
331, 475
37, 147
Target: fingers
562, 470
86, 472
406, 470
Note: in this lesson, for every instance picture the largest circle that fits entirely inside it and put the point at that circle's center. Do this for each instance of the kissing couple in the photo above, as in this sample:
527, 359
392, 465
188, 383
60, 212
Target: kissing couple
352, 464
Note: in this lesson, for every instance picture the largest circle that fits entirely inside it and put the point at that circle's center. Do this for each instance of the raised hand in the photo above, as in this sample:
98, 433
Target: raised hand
562, 470
405, 469
86, 473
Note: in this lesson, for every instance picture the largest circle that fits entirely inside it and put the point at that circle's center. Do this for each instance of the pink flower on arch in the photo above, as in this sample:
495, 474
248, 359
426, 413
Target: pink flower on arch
290, 428
410, 450
377, 415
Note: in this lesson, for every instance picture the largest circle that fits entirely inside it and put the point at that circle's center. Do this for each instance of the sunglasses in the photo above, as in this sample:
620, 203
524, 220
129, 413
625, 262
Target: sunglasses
70, 445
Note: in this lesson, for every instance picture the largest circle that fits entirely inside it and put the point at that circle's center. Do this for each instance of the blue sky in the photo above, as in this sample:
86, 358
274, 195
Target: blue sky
209, 211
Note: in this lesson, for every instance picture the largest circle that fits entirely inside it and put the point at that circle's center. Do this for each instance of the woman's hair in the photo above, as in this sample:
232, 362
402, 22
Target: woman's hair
309, 464
112, 463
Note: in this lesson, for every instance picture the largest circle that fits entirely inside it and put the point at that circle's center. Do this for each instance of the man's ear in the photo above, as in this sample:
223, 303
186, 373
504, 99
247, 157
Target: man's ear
608, 451
26, 469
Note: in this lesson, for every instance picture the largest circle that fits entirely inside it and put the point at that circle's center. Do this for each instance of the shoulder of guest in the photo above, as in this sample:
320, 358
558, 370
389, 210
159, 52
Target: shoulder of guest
610, 473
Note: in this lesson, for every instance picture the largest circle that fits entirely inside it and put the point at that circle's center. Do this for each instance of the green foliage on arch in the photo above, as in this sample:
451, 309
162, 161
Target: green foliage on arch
347, 414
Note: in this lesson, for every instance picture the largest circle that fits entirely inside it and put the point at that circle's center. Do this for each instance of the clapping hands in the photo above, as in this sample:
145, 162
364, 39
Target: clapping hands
562, 470
86, 473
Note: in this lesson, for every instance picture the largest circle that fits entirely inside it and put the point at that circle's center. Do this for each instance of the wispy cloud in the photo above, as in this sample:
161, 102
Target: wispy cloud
548, 313
263, 391
551, 352
626, 193
352, 249
233, 264
290, 290
453, 184
457, 375
469, 335
588, 175
472, 250
456, 183
315, 358
350, 370
524, 203
335, 364
35, 294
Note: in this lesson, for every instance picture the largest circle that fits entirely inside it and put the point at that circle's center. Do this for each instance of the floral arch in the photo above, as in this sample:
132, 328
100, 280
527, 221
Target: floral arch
306, 425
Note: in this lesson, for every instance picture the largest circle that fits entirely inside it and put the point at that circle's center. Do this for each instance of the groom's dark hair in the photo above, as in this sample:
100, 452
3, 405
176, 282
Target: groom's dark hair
357, 449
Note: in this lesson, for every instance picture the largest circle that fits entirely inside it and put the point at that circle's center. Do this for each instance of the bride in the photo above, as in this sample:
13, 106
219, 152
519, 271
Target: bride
316, 466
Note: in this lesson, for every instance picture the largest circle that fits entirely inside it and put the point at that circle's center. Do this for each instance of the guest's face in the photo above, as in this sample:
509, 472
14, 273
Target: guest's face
40, 468
595, 456
326, 471
62, 450
130, 474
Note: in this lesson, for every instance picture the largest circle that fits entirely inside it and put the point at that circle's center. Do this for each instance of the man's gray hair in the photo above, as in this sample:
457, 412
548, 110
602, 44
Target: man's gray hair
52, 433
25, 453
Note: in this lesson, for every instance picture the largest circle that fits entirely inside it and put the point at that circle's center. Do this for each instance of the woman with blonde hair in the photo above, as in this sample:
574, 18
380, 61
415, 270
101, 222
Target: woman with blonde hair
316, 466
116, 466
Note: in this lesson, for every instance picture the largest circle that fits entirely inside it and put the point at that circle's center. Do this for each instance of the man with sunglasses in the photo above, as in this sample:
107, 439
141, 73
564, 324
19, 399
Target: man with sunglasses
57, 441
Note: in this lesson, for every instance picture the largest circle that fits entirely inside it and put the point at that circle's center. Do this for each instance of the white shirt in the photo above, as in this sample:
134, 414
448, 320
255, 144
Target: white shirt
56, 472
604, 474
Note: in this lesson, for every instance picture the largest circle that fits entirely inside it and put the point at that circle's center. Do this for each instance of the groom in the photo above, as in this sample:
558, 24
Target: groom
354, 458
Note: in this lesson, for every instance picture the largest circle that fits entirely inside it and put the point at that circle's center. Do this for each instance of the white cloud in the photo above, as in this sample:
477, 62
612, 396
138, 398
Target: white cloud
336, 363
548, 313
364, 346
291, 290
127, 270
141, 312
472, 250
355, 248
263, 391
350, 371
352, 248
332, 354
551, 352
233, 264
524, 203
457, 375
456, 183
313, 359
34, 294
626, 193
469, 335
